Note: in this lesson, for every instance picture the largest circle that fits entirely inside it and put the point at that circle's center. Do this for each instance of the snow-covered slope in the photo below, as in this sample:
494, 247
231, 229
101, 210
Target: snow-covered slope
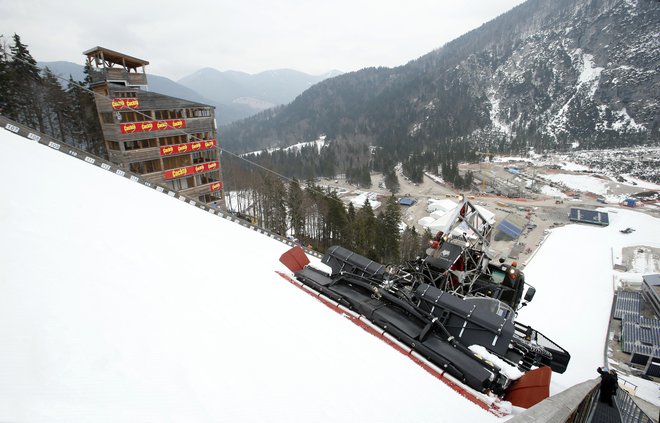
118, 303
575, 281
121, 304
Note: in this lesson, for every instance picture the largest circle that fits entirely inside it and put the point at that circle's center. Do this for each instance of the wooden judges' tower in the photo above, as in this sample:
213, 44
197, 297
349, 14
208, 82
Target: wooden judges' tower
168, 140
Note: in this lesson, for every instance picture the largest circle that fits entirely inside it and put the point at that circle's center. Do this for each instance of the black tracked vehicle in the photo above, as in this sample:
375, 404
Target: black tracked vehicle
444, 304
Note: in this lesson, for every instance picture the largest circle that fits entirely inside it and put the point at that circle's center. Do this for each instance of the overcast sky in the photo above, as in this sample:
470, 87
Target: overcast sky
180, 37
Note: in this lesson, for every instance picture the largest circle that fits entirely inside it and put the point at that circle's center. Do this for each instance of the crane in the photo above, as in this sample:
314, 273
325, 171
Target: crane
488, 154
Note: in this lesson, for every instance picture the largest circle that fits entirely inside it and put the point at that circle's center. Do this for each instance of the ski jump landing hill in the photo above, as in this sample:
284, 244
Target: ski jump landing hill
104, 316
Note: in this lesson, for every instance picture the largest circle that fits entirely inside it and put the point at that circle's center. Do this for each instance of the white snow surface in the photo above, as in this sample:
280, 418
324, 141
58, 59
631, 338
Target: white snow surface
580, 182
625, 122
589, 74
575, 281
552, 192
319, 143
507, 369
121, 304
118, 303
502, 127
641, 183
573, 167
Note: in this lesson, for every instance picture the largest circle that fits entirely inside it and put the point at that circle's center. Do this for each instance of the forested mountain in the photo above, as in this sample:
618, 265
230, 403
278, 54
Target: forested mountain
549, 74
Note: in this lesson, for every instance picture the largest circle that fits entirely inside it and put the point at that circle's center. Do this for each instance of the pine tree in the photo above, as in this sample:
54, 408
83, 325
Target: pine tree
389, 235
272, 206
336, 221
56, 105
351, 228
4, 76
22, 97
410, 242
391, 181
88, 134
365, 231
294, 203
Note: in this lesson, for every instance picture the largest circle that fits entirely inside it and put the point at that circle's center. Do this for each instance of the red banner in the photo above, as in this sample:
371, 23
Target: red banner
125, 103
216, 186
190, 170
152, 125
185, 148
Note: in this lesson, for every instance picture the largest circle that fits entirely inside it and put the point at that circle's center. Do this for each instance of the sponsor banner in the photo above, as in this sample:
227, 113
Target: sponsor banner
188, 147
190, 170
216, 186
152, 125
125, 103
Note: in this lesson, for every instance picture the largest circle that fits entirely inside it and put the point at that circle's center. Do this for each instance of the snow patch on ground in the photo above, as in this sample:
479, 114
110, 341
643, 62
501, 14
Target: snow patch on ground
620, 121
415, 129
319, 143
580, 182
624, 122
573, 167
435, 178
641, 183
590, 74
495, 111
588, 80
552, 192
644, 262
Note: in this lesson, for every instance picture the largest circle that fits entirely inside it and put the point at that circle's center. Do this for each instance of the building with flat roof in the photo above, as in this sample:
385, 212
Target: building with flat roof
592, 217
170, 141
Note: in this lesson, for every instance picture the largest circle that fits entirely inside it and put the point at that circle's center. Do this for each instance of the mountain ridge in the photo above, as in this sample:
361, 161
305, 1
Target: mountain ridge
236, 99
277, 86
531, 77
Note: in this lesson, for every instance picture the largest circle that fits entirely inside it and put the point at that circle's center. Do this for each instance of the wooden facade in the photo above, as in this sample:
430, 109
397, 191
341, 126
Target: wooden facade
168, 140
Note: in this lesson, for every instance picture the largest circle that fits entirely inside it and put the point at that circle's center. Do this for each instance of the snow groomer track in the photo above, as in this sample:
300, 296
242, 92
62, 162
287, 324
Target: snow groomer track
491, 404
69, 150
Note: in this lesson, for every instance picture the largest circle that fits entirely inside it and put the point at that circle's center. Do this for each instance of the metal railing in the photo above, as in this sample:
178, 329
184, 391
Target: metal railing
629, 410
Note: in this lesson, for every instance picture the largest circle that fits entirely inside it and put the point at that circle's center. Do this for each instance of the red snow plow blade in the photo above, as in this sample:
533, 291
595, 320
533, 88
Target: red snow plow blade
295, 259
530, 389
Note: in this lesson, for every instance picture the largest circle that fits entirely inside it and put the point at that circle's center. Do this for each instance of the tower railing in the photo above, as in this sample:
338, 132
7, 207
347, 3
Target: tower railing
629, 410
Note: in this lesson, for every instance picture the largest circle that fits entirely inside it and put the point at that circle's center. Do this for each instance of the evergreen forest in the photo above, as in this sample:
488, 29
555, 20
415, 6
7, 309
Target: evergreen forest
41, 100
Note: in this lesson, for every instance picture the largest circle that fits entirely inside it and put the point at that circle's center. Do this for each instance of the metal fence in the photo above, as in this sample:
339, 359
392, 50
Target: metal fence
629, 411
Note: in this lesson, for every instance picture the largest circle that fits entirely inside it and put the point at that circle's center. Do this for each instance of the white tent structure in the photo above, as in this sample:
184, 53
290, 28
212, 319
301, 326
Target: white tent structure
443, 205
358, 201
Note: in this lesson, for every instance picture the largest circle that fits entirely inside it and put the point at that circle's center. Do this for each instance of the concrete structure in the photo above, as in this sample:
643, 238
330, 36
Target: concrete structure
167, 140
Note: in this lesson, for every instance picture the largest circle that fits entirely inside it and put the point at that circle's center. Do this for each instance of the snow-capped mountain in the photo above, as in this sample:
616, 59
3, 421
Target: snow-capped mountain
547, 74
